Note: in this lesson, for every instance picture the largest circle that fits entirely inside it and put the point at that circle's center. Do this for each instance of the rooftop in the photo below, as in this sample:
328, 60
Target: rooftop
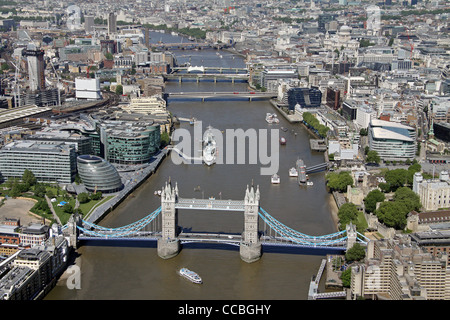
47, 146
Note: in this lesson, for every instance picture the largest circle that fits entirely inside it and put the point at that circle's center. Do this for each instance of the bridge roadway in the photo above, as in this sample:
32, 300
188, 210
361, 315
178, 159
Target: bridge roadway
205, 95
274, 244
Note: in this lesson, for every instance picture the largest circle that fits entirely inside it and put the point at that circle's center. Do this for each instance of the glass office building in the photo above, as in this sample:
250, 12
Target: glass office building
49, 161
391, 140
120, 142
305, 97
131, 143
98, 174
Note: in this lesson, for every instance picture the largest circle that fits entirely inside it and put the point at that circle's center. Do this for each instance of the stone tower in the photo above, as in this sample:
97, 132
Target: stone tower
351, 235
72, 224
250, 248
168, 244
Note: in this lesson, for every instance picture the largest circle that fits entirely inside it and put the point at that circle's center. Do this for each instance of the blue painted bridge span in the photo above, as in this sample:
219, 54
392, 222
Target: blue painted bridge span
276, 237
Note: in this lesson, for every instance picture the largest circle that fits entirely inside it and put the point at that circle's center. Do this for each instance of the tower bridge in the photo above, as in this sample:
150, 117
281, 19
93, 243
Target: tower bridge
161, 227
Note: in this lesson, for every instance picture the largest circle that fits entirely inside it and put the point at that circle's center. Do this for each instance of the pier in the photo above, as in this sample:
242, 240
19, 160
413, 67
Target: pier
318, 144
314, 294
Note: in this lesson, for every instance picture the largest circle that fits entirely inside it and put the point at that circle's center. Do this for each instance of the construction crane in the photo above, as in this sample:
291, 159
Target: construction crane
88, 71
411, 43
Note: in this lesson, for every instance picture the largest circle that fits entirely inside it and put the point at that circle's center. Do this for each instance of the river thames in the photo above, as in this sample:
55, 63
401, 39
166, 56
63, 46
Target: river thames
139, 273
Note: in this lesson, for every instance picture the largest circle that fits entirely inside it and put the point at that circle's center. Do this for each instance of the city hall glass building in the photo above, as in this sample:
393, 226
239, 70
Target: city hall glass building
49, 161
98, 174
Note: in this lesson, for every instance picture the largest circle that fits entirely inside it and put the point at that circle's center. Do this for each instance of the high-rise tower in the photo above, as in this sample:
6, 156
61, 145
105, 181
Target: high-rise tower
35, 63
112, 23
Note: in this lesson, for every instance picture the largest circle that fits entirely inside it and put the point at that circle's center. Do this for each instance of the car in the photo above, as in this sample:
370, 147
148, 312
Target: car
372, 164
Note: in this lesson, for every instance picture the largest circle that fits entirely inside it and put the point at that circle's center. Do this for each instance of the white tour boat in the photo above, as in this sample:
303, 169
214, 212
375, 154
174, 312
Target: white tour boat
190, 275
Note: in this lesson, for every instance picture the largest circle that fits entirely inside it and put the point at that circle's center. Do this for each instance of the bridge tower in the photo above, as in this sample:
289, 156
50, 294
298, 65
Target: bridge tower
250, 247
169, 244
351, 235
72, 224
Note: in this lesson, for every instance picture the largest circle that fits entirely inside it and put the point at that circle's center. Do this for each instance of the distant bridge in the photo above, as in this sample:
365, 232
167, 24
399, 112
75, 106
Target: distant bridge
204, 69
249, 95
211, 77
182, 46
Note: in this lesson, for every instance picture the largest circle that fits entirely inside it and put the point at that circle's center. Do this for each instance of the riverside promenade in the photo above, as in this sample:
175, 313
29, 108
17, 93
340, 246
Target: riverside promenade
136, 180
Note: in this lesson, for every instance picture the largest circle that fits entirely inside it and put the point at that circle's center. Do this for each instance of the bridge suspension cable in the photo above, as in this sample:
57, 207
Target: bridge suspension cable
127, 230
301, 238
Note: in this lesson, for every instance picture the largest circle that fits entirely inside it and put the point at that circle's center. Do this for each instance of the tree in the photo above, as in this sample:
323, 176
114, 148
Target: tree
347, 213
42, 206
78, 211
412, 169
67, 208
346, 277
28, 177
385, 187
50, 194
392, 214
396, 178
407, 197
373, 157
96, 196
372, 198
119, 89
39, 190
83, 197
355, 253
165, 139
339, 181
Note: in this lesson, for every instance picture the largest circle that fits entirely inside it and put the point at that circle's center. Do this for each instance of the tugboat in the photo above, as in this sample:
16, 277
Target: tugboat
190, 275
275, 179
293, 172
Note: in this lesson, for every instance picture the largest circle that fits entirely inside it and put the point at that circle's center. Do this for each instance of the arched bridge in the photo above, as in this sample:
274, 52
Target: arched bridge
161, 226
